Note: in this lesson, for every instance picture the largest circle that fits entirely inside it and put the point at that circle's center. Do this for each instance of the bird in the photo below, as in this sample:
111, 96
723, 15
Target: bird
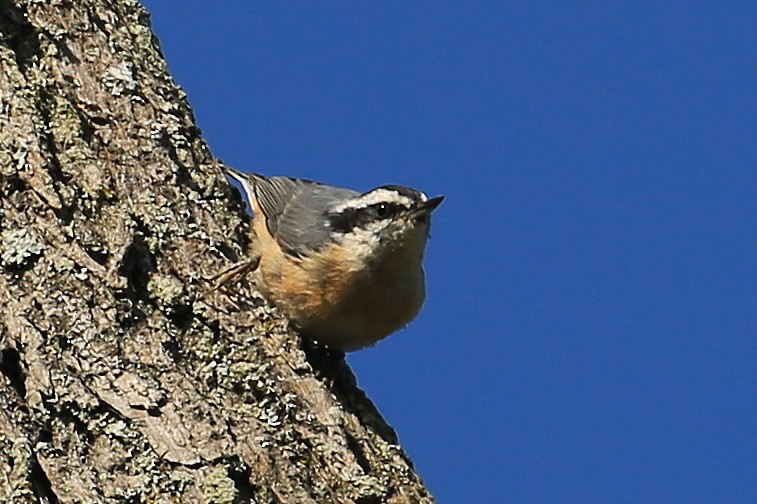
345, 267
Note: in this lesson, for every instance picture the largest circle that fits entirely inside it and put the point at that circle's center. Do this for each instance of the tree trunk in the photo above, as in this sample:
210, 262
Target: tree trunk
121, 382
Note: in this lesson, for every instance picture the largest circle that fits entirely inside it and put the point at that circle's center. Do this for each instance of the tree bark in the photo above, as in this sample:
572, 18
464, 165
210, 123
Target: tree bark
120, 381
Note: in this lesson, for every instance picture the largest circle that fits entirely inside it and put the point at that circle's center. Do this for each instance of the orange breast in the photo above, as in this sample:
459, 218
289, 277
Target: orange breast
340, 302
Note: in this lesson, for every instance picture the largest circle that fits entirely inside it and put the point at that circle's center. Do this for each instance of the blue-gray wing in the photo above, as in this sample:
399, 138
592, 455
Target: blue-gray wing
296, 211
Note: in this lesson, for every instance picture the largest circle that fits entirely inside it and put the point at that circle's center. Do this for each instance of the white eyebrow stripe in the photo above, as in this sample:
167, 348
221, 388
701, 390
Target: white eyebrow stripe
376, 196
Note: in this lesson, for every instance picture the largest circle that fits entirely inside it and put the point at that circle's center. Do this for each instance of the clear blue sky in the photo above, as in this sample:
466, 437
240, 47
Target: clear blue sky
589, 334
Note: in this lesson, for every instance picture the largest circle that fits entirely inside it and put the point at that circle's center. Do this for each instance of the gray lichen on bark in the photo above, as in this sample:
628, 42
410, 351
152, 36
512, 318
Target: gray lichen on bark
120, 382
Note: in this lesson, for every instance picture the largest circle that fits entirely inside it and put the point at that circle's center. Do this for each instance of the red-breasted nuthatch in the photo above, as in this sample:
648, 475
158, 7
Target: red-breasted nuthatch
345, 267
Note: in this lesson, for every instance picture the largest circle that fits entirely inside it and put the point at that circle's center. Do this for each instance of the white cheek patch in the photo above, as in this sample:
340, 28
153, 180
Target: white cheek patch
366, 234
371, 243
361, 241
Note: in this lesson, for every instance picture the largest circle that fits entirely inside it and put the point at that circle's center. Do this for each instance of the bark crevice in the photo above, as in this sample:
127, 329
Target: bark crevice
19, 34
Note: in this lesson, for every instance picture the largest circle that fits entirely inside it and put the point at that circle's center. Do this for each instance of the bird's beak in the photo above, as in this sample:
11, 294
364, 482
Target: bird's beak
428, 206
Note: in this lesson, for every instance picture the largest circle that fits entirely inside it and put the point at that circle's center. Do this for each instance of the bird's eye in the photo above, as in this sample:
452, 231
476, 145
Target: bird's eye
382, 210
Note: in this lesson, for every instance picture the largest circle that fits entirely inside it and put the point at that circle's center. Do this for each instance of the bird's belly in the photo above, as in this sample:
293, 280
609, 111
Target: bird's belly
366, 312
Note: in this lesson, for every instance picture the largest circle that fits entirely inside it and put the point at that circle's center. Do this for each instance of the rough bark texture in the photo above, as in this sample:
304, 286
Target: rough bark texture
119, 382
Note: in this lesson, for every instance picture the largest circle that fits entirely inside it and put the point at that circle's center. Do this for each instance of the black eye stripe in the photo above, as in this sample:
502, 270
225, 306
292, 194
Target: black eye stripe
385, 210
351, 218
